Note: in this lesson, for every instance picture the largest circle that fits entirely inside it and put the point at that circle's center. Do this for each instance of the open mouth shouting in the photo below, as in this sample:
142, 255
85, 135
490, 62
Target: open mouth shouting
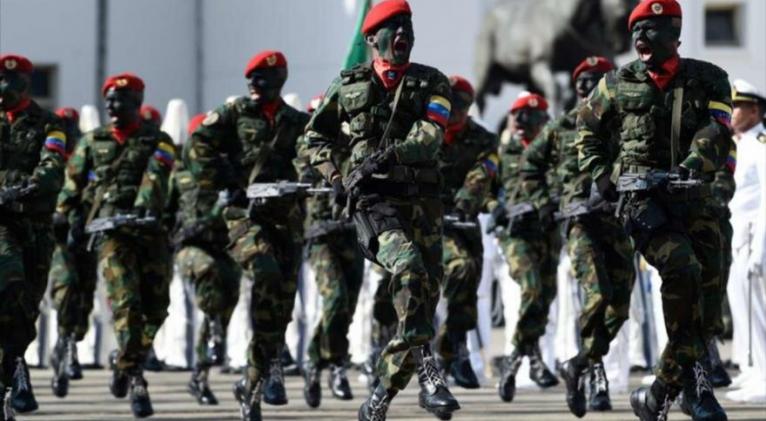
644, 51
401, 45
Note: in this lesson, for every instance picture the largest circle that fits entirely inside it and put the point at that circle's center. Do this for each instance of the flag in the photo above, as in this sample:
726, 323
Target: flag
357, 52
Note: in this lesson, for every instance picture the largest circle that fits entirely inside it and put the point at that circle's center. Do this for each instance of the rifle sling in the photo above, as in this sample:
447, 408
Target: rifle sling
675, 124
397, 96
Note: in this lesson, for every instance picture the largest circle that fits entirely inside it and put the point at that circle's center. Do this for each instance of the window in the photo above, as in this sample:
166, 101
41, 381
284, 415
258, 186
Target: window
43, 86
723, 26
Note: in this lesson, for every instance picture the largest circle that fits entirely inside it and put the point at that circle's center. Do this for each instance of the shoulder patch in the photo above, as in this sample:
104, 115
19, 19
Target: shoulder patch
211, 118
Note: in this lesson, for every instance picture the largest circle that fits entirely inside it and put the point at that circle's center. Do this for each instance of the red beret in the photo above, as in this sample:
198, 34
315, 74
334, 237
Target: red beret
68, 113
123, 81
195, 122
15, 63
461, 84
529, 100
593, 64
383, 11
652, 8
265, 59
150, 113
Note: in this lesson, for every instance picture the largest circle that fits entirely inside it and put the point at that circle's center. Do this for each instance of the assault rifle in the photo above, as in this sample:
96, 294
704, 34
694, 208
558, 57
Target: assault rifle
9, 196
512, 211
594, 203
321, 228
203, 224
99, 226
655, 179
360, 174
455, 222
259, 193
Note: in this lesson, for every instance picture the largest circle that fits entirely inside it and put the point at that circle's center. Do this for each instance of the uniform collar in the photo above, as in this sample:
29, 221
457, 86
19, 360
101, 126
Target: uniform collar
122, 134
19, 109
668, 70
389, 74
271, 109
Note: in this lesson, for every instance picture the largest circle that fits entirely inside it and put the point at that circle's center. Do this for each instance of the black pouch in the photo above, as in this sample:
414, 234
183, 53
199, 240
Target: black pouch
643, 218
370, 223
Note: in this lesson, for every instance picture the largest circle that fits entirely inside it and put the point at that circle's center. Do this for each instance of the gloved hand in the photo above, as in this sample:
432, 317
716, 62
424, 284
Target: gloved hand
682, 173
339, 195
500, 216
60, 227
607, 189
77, 234
378, 162
546, 216
236, 197
462, 210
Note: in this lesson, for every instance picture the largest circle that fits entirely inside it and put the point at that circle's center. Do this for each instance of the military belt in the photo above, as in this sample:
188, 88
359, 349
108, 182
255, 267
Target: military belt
407, 174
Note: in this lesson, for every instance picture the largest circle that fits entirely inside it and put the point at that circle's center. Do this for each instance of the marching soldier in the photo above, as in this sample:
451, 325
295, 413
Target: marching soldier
253, 140
673, 118
151, 115
32, 155
124, 168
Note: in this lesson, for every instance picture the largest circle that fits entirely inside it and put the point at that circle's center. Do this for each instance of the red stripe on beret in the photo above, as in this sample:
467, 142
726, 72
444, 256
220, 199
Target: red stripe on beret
265, 59
593, 64
461, 84
384, 11
653, 8
529, 100
15, 63
123, 81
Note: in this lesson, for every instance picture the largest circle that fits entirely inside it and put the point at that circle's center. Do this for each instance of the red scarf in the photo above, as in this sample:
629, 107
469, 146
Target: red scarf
270, 109
667, 72
121, 134
389, 74
452, 131
13, 113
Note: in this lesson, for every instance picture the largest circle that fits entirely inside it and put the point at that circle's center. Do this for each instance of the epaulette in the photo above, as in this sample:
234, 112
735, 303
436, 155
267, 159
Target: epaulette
360, 72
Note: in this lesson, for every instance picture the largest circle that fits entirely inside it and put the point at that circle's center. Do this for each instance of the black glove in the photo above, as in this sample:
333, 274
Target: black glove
546, 215
338, 192
379, 162
607, 189
500, 215
236, 197
681, 173
60, 227
77, 234
462, 210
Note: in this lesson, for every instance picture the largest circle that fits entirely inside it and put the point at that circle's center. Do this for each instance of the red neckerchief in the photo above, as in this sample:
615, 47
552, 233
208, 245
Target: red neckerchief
667, 72
452, 131
121, 134
13, 113
525, 142
389, 74
270, 109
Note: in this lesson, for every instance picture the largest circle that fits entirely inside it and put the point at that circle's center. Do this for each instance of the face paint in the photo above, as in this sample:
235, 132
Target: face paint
265, 85
528, 122
585, 83
123, 106
14, 88
393, 41
656, 40
461, 102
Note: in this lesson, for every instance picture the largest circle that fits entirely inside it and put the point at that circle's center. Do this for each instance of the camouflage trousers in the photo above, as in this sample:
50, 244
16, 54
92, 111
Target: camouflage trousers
25, 252
602, 258
533, 258
73, 277
137, 270
215, 276
462, 260
338, 267
686, 252
270, 255
715, 312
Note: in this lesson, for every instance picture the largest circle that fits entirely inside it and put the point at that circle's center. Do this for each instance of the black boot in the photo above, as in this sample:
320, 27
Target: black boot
599, 389
140, 403
74, 369
312, 390
460, 368
434, 395
538, 371
653, 403
376, 406
698, 399
118, 384
289, 365
506, 387
60, 380
151, 363
717, 373
248, 394
274, 387
6, 409
22, 396
338, 382
216, 351
199, 387
573, 372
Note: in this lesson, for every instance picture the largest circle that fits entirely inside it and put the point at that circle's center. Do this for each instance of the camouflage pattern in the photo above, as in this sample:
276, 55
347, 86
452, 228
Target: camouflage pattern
111, 178
686, 249
238, 144
412, 253
26, 239
723, 188
73, 277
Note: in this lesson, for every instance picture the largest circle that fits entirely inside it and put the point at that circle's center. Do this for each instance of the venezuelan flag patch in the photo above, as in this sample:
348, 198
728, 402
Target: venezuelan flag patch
438, 110
490, 164
731, 160
166, 154
720, 111
56, 142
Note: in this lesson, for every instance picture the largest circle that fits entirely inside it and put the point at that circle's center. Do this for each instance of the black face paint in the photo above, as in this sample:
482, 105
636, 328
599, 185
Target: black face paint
394, 40
461, 103
585, 83
529, 122
655, 40
122, 106
265, 85
14, 87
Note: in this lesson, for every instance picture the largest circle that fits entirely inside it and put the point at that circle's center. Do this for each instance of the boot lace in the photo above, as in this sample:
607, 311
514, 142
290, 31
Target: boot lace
255, 394
7, 406
138, 386
600, 381
275, 371
667, 403
512, 363
21, 375
701, 382
378, 409
432, 373
339, 371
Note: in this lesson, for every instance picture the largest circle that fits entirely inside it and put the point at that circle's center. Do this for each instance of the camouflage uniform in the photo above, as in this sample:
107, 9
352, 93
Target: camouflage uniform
403, 203
601, 252
722, 191
126, 177
266, 242
32, 149
683, 238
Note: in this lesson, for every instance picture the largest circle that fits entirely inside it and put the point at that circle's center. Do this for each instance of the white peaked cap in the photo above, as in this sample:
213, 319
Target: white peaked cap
743, 90
176, 120
293, 100
89, 119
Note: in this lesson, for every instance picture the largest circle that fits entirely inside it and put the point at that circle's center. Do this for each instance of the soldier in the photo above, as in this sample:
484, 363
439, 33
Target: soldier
468, 162
31, 174
530, 243
73, 278
396, 112
600, 251
673, 118
151, 115
194, 217
338, 266
253, 139
124, 168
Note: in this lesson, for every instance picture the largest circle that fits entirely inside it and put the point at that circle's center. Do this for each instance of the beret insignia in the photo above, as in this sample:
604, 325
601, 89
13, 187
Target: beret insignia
533, 102
10, 64
592, 61
271, 60
657, 9
121, 82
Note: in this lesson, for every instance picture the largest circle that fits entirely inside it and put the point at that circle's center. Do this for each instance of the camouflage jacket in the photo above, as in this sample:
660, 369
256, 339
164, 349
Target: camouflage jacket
512, 157
630, 100
32, 150
358, 98
723, 185
118, 177
469, 166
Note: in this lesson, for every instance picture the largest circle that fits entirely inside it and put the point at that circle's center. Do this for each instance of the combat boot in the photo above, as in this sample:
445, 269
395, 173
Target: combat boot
199, 387
274, 387
573, 372
215, 351
376, 406
22, 396
506, 387
698, 399
6, 409
118, 384
718, 375
151, 363
538, 371
248, 394
312, 390
434, 395
289, 365
460, 368
653, 403
74, 369
599, 389
60, 380
338, 382
140, 403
